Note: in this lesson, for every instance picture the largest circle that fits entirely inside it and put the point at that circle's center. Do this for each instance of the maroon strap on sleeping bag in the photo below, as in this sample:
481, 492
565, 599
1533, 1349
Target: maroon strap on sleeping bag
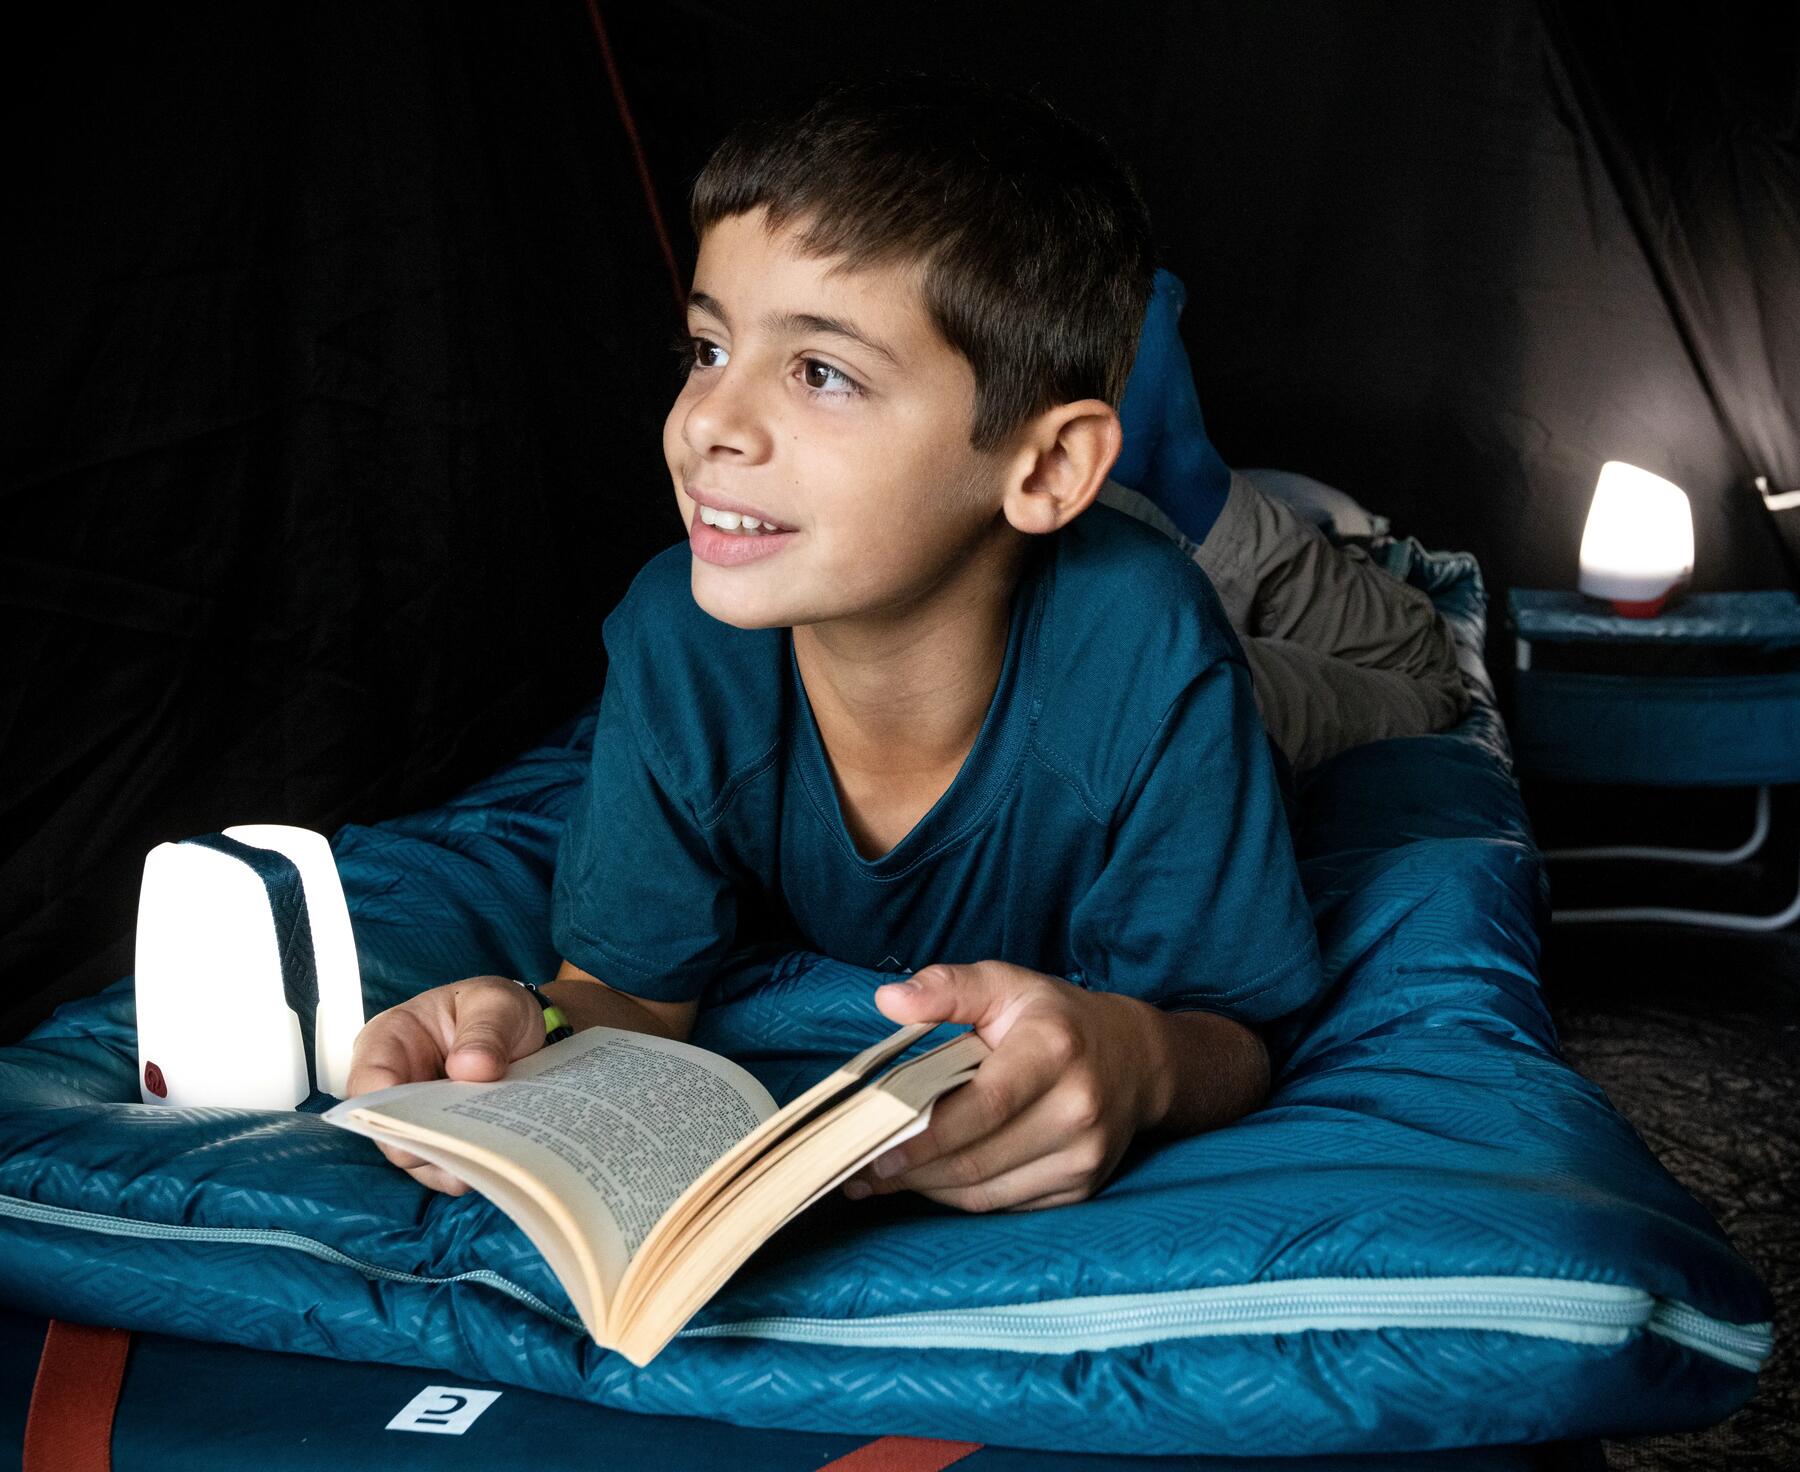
69, 1425
903, 1454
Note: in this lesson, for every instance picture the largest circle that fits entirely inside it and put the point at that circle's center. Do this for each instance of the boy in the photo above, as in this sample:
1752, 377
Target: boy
927, 704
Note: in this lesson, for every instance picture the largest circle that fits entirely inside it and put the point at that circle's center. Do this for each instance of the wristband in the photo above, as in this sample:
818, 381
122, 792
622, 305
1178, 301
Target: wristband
556, 1026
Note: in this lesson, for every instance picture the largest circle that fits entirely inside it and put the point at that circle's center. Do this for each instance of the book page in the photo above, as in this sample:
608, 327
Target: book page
915, 1084
874, 1121
549, 1226
940, 1084
790, 1117
616, 1124
674, 1276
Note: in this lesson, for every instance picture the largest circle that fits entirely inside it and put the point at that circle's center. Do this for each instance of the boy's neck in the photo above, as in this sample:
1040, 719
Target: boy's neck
902, 699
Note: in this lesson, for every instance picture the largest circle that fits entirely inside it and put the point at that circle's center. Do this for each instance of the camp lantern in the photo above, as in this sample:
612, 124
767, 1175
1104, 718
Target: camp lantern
1638, 548
248, 989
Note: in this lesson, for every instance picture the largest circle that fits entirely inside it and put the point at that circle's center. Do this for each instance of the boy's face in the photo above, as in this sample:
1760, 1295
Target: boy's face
863, 458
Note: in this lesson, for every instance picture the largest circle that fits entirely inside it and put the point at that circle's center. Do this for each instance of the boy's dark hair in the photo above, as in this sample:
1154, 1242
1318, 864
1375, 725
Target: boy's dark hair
1034, 241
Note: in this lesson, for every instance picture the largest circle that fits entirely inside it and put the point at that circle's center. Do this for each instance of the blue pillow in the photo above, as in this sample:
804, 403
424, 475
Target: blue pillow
1167, 455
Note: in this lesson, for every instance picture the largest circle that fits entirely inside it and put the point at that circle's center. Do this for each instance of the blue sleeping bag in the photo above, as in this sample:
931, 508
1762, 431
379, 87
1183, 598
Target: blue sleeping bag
1434, 1235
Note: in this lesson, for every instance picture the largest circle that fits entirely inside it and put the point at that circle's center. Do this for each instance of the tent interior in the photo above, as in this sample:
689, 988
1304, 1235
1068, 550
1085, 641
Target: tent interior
338, 359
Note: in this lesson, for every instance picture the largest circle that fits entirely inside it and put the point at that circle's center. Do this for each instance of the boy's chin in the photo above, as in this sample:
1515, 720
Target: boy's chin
740, 613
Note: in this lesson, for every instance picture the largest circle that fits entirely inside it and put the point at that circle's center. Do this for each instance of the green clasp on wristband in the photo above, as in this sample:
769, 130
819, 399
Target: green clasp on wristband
556, 1026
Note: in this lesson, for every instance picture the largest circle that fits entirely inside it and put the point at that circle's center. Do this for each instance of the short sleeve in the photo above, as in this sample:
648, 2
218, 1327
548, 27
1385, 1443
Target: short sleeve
638, 899
1199, 904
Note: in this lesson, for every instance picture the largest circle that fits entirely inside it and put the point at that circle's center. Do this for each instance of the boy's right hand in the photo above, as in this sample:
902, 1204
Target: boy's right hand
471, 1030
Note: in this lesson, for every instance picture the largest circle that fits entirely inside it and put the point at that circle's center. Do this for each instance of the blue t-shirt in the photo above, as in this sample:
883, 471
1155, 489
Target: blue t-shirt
1116, 823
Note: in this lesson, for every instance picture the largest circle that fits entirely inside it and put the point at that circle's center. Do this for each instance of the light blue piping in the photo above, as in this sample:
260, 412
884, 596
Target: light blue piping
1554, 1308
120, 1226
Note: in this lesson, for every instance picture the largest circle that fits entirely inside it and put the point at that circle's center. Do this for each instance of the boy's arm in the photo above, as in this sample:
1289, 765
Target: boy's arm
1209, 1069
587, 1001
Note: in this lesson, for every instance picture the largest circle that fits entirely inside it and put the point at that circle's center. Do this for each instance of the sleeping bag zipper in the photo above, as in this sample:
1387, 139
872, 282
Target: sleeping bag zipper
1591, 1313
1567, 1309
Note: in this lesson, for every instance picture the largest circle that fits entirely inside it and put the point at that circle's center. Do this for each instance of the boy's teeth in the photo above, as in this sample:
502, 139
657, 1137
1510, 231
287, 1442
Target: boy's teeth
731, 521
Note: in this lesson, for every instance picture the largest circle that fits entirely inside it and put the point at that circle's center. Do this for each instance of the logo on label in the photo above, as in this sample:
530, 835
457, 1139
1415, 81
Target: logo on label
893, 961
153, 1081
448, 1410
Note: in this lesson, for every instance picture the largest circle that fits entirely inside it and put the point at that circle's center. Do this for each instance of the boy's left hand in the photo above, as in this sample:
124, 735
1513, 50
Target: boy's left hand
1072, 1077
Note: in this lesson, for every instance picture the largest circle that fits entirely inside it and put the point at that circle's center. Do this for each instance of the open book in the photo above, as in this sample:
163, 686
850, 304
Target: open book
645, 1170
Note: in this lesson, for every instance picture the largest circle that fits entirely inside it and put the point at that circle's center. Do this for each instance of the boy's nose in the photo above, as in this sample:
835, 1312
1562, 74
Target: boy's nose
727, 413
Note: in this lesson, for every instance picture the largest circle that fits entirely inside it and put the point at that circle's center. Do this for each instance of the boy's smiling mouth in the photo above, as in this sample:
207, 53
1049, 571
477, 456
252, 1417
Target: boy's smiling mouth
728, 548
735, 512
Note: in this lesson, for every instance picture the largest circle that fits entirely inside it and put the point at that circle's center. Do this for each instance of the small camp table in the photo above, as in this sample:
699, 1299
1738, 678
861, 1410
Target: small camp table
1705, 694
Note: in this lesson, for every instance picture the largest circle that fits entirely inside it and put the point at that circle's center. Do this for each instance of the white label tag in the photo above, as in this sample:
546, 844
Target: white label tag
447, 1409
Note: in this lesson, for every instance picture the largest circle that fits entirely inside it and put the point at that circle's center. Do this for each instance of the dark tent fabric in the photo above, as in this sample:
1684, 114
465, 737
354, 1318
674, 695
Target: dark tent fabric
1697, 115
336, 355
336, 366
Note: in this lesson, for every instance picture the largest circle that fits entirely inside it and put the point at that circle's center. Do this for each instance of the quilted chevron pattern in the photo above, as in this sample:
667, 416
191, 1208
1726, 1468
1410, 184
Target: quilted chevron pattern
1423, 1126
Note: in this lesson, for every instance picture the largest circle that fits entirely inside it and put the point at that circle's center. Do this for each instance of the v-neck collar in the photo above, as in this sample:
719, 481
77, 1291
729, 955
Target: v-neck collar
985, 771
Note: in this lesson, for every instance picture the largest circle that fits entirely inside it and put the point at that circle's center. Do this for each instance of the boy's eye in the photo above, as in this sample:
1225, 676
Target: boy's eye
850, 389
686, 348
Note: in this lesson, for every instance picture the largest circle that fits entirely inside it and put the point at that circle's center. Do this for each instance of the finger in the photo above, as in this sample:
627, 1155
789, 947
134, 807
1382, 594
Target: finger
1039, 1130
438, 1179
1055, 1198
394, 1047
402, 1158
422, 1170
986, 995
494, 1024
960, 1119
1009, 1080
1048, 1175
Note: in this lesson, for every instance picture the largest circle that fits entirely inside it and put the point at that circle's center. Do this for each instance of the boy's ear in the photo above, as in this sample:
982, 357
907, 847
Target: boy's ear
1061, 463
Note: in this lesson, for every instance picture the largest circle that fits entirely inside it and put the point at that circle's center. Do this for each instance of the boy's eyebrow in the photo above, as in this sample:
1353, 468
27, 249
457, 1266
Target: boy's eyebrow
794, 322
